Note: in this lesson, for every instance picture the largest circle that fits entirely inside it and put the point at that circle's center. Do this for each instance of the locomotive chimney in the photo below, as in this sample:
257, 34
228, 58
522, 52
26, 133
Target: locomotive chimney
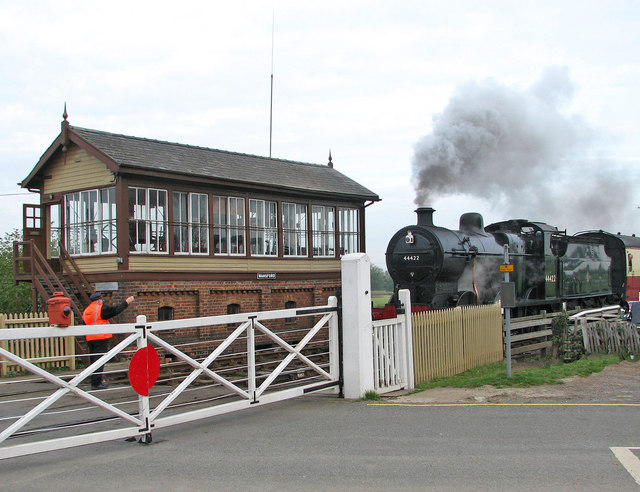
425, 216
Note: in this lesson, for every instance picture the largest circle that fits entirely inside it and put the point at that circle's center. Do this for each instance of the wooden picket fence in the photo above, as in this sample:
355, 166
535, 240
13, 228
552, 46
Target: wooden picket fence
450, 341
46, 352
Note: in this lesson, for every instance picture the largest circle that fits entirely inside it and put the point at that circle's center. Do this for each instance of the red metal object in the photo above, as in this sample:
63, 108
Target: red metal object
390, 312
419, 308
144, 370
387, 312
59, 310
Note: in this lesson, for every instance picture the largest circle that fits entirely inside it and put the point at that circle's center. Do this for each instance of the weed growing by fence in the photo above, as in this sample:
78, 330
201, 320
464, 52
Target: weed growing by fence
371, 395
495, 374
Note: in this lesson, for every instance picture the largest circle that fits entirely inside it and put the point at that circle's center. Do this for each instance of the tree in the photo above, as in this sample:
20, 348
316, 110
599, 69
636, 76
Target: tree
380, 279
13, 298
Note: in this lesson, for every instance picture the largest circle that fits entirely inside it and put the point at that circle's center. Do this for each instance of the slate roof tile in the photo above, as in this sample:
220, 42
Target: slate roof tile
147, 154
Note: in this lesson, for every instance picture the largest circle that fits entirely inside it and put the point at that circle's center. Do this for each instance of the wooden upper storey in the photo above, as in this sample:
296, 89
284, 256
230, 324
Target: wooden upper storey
97, 190
125, 155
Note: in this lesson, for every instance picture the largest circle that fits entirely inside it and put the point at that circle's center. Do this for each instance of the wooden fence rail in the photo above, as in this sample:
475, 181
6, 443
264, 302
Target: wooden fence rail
531, 334
534, 333
46, 352
609, 336
451, 341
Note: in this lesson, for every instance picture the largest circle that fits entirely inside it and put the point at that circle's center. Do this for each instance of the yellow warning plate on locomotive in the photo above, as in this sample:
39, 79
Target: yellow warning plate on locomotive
506, 267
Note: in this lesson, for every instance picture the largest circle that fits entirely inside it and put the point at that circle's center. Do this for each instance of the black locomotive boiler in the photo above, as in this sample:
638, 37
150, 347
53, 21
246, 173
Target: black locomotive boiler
445, 268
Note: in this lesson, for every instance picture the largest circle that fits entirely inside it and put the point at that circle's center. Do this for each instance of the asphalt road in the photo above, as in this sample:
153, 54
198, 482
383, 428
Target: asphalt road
324, 443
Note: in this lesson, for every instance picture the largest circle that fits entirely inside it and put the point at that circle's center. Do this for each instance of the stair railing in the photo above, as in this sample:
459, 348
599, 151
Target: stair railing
75, 275
45, 280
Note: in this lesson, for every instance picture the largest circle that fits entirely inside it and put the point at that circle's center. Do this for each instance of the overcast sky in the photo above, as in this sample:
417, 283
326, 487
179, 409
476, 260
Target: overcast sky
510, 109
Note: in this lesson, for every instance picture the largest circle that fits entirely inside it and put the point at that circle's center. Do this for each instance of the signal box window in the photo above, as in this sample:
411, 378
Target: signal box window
290, 305
191, 223
263, 223
348, 224
294, 229
165, 313
90, 222
323, 231
148, 216
228, 225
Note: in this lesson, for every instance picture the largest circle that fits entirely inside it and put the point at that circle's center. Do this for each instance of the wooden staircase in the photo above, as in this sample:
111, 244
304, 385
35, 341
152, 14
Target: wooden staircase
30, 265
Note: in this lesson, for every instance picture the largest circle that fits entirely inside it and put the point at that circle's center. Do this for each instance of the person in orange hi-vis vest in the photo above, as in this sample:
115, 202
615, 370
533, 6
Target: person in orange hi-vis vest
98, 313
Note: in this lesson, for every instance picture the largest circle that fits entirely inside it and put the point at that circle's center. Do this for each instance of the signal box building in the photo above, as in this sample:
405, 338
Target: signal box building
189, 231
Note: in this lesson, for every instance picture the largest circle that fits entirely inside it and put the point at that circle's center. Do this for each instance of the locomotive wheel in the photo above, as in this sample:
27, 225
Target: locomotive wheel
440, 301
531, 293
466, 298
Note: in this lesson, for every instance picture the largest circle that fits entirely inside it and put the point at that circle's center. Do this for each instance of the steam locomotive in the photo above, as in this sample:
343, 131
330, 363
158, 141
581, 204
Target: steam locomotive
445, 268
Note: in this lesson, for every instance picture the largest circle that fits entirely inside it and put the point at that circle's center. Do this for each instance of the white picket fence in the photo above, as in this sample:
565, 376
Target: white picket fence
393, 350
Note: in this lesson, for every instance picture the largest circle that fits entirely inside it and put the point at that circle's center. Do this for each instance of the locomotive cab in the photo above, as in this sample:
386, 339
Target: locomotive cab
536, 267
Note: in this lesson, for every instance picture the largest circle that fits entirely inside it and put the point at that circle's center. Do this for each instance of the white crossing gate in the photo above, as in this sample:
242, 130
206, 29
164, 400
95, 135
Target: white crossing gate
249, 360
392, 350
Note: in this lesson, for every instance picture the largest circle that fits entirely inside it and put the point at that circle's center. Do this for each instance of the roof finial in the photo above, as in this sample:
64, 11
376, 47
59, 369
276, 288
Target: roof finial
330, 164
65, 128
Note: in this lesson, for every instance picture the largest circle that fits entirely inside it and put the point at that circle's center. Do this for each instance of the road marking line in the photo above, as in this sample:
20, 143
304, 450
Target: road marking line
504, 404
629, 460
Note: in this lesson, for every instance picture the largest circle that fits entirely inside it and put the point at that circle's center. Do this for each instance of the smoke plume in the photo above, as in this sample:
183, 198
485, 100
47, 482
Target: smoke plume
519, 152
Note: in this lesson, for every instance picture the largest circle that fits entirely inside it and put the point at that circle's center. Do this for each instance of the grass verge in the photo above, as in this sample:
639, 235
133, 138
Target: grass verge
380, 298
496, 374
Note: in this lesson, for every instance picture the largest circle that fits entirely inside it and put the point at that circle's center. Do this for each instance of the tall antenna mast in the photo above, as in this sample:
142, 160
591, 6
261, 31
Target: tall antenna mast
273, 21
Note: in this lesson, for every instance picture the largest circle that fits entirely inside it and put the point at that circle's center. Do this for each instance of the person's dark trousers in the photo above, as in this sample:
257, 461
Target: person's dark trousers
97, 348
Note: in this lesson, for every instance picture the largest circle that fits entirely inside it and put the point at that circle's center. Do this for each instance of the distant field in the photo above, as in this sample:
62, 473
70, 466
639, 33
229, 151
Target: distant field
380, 298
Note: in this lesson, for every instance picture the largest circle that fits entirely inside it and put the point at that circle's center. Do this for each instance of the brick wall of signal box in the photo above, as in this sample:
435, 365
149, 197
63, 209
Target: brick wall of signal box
190, 299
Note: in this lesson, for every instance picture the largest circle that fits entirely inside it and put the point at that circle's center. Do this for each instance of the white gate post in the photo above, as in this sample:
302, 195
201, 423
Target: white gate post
357, 344
334, 343
407, 338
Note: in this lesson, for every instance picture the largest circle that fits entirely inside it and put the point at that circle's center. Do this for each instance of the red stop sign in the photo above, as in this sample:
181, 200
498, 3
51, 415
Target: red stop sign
144, 369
